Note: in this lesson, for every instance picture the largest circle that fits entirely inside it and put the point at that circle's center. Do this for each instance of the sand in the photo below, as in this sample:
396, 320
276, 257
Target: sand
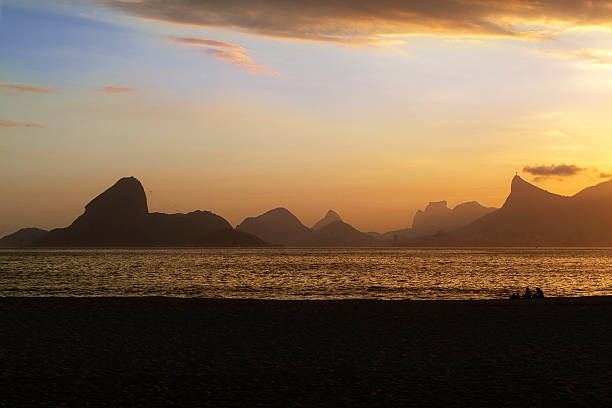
143, 352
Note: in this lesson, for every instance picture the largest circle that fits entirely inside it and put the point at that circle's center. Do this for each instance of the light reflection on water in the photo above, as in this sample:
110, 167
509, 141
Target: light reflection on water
306, 273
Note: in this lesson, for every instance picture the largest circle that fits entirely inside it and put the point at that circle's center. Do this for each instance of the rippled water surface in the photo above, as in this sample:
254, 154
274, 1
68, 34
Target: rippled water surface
306, 273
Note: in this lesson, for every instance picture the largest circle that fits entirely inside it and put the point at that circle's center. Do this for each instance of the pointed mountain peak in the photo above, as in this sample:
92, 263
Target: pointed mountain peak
523, 193
330, 217
518, 182
126, 198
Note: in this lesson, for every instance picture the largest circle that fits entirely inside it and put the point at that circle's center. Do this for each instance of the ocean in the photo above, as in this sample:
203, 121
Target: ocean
306, 273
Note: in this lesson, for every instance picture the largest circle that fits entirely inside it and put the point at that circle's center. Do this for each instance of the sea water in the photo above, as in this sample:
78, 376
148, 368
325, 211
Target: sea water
306, 273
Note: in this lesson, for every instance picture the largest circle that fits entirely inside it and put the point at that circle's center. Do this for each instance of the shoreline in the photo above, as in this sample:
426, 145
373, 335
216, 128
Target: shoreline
433, 247
143, 299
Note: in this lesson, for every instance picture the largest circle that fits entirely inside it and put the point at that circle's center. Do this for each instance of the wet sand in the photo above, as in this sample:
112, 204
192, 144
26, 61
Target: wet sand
143, 352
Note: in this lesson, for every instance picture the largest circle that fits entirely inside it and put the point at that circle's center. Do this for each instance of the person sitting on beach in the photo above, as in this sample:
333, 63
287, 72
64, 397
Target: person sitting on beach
527, 294
538, 293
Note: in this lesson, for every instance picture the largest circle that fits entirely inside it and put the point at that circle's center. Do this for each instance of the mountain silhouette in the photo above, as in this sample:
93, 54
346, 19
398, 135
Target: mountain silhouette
533, 216
278, 226
23, 238
330, 217
338, 233
530, 216
437, 217
119, 217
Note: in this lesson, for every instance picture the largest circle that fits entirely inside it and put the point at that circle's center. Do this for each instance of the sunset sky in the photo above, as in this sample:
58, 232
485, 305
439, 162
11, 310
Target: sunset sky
372, 109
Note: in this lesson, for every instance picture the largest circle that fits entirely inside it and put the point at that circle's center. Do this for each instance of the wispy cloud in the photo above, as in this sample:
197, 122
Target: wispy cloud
25, 88
366, 21
224, 51
560, 170
12, 124
118, 90
205, 42
602, 57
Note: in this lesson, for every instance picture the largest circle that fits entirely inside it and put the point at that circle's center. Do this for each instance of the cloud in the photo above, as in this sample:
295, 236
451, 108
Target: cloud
561, 170
224, 51
12, 124
117, 90
602, 57
366, 21
25, 88
8, 123
205, 42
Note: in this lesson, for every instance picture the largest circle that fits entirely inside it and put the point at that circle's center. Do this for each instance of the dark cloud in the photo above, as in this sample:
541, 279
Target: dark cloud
366, 21
561, 170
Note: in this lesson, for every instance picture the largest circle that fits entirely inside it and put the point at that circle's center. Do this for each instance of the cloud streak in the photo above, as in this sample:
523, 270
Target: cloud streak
118, 90
205, 42
12, 124
600, 57
224, 51
25, 88
365, 21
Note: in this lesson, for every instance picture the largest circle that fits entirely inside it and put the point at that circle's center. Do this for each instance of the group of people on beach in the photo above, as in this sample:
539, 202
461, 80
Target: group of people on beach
528, 294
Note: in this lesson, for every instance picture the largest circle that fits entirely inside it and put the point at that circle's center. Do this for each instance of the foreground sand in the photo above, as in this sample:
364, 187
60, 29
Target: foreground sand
194, 352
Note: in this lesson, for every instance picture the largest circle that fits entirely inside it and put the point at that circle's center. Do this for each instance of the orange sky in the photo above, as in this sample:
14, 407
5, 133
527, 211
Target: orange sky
238, 108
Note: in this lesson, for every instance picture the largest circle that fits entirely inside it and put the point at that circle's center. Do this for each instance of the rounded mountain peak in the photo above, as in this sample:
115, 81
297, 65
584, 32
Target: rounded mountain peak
125, 198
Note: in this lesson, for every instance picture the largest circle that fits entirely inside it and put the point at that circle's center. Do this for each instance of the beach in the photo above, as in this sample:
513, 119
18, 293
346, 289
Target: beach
155, 351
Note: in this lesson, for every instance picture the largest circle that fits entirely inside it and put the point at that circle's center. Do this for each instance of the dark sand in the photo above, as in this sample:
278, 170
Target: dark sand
145, 352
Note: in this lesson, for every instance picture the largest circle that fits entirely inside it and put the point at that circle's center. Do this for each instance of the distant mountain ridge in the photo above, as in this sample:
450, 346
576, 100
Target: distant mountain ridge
437, 217
280, 227
533, 216
119, 217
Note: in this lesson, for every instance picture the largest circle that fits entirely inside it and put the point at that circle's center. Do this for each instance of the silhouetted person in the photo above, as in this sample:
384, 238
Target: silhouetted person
515, 295
527, 294
538, 293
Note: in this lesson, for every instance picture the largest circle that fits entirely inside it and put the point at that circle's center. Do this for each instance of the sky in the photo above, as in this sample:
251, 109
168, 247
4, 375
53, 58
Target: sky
372, 109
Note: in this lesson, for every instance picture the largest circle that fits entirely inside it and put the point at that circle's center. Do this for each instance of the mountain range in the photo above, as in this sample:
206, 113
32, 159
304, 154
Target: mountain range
438, 218
280, 227
530, 216
119, 217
